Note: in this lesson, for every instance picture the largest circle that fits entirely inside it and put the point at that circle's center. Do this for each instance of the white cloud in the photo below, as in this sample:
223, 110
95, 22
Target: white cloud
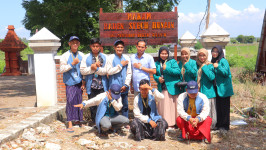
226, 11
252, 9
191, 17
246, 21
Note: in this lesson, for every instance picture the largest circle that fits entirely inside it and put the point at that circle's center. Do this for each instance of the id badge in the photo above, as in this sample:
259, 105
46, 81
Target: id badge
96, 75
75, 74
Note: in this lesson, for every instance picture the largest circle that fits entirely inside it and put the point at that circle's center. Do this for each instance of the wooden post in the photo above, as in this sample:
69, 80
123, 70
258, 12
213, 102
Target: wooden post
175, 52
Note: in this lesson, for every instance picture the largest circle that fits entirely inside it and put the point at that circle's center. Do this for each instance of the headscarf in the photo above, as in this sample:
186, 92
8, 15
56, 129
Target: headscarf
201, 64
187, 50
162, 62
160, 50
220, 54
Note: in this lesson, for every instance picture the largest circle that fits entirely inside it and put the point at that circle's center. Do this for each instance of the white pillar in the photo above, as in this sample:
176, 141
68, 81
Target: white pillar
214, 35
45, 45
30, 64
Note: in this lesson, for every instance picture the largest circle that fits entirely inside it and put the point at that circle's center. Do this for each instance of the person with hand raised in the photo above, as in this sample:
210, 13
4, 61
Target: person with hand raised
147, 122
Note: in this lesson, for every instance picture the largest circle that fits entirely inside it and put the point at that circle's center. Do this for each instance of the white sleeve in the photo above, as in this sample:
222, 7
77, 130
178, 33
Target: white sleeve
180, 106
96, 100
137, 113
102, 70
117, 104
84, 70
157, 95
112, 69
129, 72
64, 67
206, 108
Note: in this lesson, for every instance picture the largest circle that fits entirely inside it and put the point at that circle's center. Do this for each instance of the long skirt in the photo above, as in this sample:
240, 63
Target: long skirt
167, 108
212, 114
74, 97
198, 133
144, 130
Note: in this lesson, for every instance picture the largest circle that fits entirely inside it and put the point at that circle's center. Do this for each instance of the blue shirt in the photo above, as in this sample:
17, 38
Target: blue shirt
146, 61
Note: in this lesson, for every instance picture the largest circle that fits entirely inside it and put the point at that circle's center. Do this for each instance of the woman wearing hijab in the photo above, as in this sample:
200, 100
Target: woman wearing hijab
188, 66
223, 87
205, 80
167, 75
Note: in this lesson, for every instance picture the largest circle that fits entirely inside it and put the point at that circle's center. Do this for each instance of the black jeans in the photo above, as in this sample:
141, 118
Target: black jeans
93, 109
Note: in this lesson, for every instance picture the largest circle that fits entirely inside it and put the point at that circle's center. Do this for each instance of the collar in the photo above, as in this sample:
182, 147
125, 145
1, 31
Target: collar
136, 55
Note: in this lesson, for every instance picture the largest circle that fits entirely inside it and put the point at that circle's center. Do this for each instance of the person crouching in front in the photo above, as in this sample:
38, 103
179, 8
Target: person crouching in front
109, 104
148, 123
193, 110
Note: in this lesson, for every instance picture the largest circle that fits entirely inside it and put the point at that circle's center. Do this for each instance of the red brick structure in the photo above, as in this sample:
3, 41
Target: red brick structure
12, 46
61, 88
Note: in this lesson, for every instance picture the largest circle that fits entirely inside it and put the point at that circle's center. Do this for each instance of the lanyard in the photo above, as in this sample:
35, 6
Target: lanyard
73, 55
144, 103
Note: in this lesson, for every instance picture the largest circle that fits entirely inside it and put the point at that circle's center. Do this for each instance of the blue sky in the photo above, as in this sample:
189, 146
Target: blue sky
235, 16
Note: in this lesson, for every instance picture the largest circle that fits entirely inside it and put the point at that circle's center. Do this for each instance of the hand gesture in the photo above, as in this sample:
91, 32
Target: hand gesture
161, 79
123, 89
164, 66
215, 65
146, 86
124, 62
83, 85
98, 64
94, 67
137, 65
75, 61
79, 105
109, 96
153, 124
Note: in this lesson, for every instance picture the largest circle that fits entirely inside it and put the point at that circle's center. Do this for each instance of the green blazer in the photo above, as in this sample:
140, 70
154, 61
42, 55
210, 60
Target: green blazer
172, 75
206, 82
191, 70
224, 79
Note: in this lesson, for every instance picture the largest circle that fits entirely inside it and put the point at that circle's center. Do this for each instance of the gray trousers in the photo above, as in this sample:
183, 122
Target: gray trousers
113, 122
212, 114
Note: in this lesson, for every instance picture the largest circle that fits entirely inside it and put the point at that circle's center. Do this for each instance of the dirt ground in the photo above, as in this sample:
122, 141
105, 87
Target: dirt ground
17, 101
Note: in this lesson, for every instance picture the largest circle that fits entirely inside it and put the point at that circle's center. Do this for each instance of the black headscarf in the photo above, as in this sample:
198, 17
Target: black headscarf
160, 50
220, 54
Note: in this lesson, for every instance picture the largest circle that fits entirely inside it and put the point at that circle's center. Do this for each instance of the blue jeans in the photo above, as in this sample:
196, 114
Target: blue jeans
124, 109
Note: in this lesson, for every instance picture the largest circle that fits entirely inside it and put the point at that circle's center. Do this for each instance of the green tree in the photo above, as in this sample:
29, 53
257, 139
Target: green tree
240, 38
65, 18
250, 39
198, 45
258, 39
150, 5
233, 40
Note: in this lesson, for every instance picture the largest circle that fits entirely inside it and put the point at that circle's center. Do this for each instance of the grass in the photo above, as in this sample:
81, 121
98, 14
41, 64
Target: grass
245, 50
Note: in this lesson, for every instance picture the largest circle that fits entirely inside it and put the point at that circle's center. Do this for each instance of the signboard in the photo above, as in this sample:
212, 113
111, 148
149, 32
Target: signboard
157, 28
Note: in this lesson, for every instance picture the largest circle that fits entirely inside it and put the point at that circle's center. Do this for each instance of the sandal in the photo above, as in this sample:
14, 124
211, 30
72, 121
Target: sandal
70, 130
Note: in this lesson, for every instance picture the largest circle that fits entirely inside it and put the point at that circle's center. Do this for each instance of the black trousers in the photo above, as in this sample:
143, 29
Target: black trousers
223, 112
144, 130
93, 109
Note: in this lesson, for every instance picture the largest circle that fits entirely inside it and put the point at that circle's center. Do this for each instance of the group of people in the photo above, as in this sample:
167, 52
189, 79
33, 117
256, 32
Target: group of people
193, 95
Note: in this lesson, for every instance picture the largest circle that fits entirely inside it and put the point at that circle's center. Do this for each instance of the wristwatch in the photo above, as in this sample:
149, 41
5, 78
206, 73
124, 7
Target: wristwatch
140, 67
